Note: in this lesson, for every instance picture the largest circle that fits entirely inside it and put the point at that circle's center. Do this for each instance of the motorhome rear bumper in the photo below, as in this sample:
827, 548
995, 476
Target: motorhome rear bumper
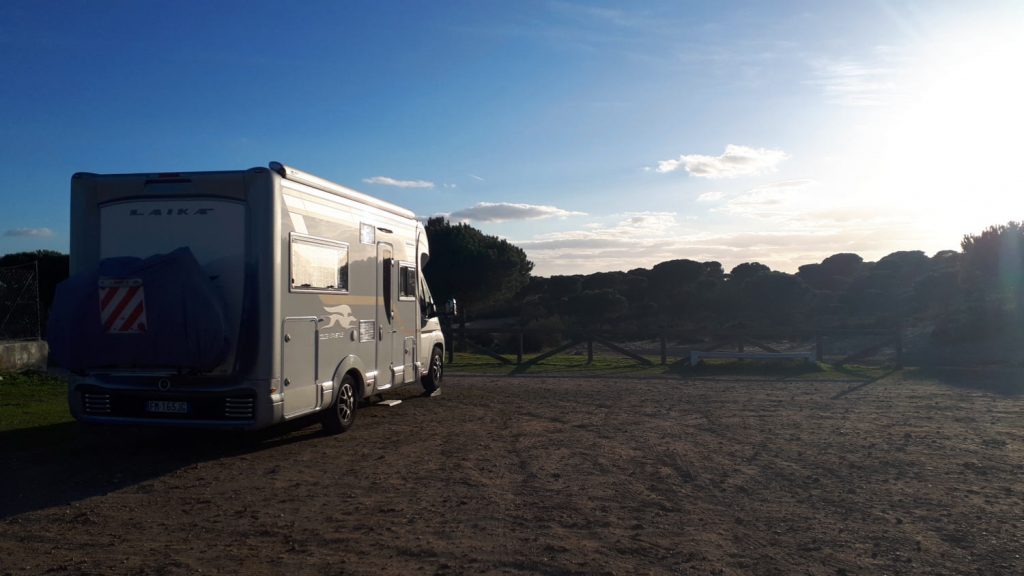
245, 406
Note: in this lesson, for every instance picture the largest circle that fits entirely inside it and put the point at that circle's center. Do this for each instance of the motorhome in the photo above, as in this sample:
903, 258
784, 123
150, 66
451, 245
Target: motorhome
240, 299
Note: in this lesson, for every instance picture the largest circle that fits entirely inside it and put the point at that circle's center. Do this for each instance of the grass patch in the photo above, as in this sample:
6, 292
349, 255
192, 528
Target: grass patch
856, 372
31, 399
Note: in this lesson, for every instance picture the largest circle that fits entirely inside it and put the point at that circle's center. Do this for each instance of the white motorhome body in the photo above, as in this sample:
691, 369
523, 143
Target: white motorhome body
320, 288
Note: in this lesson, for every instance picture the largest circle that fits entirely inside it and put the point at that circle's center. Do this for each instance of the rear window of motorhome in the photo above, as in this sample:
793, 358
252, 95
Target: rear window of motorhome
318, 265
367, 233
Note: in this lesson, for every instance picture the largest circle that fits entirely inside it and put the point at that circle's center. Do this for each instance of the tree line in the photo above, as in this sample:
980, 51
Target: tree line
964, 294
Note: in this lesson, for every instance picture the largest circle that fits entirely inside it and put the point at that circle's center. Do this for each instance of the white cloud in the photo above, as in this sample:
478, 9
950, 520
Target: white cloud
648, 220
36, 232
785, 185
602, 15
583, 252
796, 231
855, 84
734, 162
842, 216
477, 178
632, 227
878, 78
386, 181
503, 211
783, 200
710, 197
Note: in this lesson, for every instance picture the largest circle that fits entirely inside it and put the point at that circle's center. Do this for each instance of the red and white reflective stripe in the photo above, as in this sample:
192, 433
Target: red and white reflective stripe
122, 305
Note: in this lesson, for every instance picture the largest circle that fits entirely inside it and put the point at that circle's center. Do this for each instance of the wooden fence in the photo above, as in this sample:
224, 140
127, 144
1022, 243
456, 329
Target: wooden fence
862, 345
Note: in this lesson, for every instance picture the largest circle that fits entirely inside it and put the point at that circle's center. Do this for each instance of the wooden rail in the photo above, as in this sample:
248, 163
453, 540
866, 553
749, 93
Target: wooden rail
891, 338
696, 355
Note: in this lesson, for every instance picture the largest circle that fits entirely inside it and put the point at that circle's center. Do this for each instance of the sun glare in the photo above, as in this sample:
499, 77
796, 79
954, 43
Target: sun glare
953, 146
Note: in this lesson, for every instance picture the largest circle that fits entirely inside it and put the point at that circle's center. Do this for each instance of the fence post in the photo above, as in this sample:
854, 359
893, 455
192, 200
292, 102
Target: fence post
39, 319
590, 351
462, 330
899, 347
819, 347
663, 350
519, 354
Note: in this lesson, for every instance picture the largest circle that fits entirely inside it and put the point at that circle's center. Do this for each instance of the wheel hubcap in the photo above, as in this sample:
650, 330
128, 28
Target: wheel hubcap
435, 370
345, 402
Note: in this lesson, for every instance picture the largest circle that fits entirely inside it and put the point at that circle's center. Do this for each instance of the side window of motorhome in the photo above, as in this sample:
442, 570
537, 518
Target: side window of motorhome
407, 283
427, 310
318, 264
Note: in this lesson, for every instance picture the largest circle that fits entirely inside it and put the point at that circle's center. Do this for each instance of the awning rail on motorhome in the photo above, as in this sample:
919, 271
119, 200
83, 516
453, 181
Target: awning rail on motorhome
297, 175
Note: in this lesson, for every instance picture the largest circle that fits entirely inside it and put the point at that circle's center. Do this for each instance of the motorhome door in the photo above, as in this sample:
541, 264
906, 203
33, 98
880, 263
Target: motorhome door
386, 330
299, 364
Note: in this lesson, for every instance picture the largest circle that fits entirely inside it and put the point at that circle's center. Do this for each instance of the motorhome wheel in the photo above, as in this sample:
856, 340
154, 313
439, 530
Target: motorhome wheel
342, 413
432, 379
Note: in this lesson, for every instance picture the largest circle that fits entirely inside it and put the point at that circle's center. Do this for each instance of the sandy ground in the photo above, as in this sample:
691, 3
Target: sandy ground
547, 476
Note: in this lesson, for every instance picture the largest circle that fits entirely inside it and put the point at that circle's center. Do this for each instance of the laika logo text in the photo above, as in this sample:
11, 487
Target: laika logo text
171, 212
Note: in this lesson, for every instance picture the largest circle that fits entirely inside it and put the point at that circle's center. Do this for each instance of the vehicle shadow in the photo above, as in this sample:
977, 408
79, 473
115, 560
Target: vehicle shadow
760, 369
58, 464
1005, 380
863, 384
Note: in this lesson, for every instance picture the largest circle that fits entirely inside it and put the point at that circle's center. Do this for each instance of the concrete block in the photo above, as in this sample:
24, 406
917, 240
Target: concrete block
23, 355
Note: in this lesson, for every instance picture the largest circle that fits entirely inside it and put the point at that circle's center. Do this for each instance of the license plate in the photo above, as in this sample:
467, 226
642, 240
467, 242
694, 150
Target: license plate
167, 407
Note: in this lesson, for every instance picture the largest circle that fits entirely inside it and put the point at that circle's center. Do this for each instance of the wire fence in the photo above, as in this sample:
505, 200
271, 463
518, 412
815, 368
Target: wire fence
19, 302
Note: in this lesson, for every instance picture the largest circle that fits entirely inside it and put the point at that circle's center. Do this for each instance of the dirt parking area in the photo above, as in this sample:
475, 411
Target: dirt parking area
546, 476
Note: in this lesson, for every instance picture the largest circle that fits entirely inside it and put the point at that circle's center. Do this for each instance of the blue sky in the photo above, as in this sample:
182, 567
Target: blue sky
596, 135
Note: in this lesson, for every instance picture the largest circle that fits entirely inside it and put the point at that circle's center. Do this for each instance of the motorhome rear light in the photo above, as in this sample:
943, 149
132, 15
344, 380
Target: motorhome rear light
96, 403
239, 407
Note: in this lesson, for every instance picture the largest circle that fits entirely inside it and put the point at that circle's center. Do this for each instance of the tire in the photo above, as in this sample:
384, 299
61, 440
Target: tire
435, 372
342, 413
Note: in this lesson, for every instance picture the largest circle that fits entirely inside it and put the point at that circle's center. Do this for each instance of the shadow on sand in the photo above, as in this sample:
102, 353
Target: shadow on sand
863, 384
61, 463
737, 369
1005, 379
